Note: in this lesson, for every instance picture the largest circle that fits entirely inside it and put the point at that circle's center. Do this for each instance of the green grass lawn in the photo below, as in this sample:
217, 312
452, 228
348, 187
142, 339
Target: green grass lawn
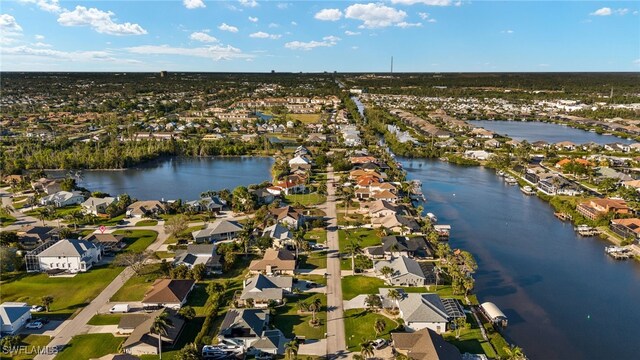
306, 118
471, 340
353, 286
90, 346
147, 223
137, 240
105, 319
305, 199
135, 288
292, 323
317, 235
172, 239
358, 327
165, 254
6, 220
367, 237
314, 260
315, 278
69, 293
32, 342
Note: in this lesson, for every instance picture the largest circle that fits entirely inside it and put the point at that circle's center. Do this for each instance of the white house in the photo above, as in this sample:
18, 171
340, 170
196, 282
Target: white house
70, 255
97, 206
420, 311
477, 154
63, 198
280, 234
13, 316
300, 160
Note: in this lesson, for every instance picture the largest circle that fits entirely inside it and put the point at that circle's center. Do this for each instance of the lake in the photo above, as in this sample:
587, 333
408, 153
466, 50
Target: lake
564, 297
180, 177
535, 131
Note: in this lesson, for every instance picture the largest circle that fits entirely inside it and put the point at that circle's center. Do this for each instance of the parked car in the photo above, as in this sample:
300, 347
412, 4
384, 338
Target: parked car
264, 356
379, 343
37, 308
42, 320
311, 285
119, 308
34, 325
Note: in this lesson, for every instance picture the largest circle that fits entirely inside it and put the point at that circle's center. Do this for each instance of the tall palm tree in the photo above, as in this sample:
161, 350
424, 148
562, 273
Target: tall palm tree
366, 349
395, 295
161, 325
315, 306
386, 271
246, 235
514, 353
379, 326
291, 349
353, 248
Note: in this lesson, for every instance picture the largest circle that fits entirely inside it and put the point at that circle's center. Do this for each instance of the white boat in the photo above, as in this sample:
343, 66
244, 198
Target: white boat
527, 190
510, 180
432, 217
500, 173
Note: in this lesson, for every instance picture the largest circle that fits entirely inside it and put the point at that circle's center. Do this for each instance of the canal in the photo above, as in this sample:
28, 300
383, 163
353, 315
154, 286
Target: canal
565, 299
179, 177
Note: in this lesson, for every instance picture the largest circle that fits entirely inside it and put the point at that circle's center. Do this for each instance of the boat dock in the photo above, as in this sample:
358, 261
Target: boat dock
415, 192
619, 252
563, 216
584, 230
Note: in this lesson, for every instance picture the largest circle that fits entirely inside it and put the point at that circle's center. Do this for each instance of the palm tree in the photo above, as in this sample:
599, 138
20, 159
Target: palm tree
514, 353
298, 239
46, 301
291, 349
6, 210
395, 295
246, 235
459, 322
160, 327
379, 326
353, 248
373, 301
386, 271
366, 349
315, 306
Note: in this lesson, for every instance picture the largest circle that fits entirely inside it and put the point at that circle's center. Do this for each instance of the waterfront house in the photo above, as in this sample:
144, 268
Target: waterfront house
396, 223
97, 206
566, 161
396, 245
199, 254
605, 172
219, 230
274, 262
62, 199
288, 216
140, 209
168, 293
482, 133
565, 145
13, 316
69, 255
594, 208
108, 242
626, 228
142, 339
263, 289
424, 344
211, 204
263, 196
382, 208
477, 155
280, 234
300, 160
419, 310
293, 184
48, 186
406, 272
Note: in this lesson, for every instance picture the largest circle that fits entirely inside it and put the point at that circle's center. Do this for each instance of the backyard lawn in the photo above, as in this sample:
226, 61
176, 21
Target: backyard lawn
135, 288
359, 327
292, 323
105, 319
367, 237
172, 239
90, 346
137, 240
471, 340
313, 260
305, 199
32, 342
353, 286
69, 293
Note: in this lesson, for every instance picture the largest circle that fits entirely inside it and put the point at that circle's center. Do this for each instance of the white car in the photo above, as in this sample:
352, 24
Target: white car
379, 343
34, 325
36, 308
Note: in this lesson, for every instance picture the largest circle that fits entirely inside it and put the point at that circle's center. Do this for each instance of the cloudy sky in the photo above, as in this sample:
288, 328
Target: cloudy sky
255, 35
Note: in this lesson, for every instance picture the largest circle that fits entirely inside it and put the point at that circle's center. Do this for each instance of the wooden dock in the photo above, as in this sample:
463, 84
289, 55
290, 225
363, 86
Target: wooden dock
563, 216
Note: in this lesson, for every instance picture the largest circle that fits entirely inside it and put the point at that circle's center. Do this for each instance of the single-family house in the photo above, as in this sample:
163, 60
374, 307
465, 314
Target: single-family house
263, 289
288, 216
274, 262
211, 204
596, 207
140, 209
30, 236
220, 229
263, 196
396, 223
420, 311
244, 326
48, 186
395, 245
406, 272
143, 340
108, 241
626, 228
62, 199
424, 344
13, 316
280, 234
478, 155
199, 254
168, 293
70, 255
97, 206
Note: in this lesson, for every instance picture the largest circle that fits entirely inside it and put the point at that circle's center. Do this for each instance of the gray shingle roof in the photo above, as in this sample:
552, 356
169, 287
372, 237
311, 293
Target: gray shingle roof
401, 265
240, 320
70, 248
218, 227
425, 307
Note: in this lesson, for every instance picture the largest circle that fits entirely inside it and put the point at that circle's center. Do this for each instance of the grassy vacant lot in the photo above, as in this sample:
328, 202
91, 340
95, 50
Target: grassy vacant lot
147, 223
32, 342
353, 286
305, 199
358, 327
105, 319
69, 293
306, 118
135, 288
317, 235
90, 346
293, 323
367, 237
137, 240
314, 260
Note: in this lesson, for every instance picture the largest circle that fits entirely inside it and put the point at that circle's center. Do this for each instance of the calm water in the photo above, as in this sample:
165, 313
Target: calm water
565, 299
180, 177
552, 133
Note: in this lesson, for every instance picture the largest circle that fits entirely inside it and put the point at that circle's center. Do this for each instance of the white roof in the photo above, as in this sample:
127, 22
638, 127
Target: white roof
492, 310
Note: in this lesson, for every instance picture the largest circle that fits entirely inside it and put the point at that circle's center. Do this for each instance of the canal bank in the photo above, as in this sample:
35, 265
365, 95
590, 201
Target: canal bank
565, 298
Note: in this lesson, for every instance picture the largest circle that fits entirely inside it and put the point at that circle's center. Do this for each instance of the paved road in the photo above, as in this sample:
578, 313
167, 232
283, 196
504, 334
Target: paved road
336, 345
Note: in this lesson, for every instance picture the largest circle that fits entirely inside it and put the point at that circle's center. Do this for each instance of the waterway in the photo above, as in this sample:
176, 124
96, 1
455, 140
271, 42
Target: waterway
539, 131
564, 297
180, 177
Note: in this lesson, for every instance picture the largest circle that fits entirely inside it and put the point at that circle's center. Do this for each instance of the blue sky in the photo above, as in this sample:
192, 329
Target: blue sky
254, 35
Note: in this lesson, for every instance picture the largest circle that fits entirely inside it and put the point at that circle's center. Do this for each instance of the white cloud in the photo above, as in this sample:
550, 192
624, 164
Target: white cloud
425, 2
45, 5
282, 6
507, 31
423, 15
65, 55
328, 15
202, 37
214, 52
229, 28
327, 41
39, 37
273, 25
374, 15
431, 20
253, 19
405, 25
351, 33
605, 11
294, 23
99, 21
193, 4
9, 25
41, 44
264, 35
621, 12
248, 3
